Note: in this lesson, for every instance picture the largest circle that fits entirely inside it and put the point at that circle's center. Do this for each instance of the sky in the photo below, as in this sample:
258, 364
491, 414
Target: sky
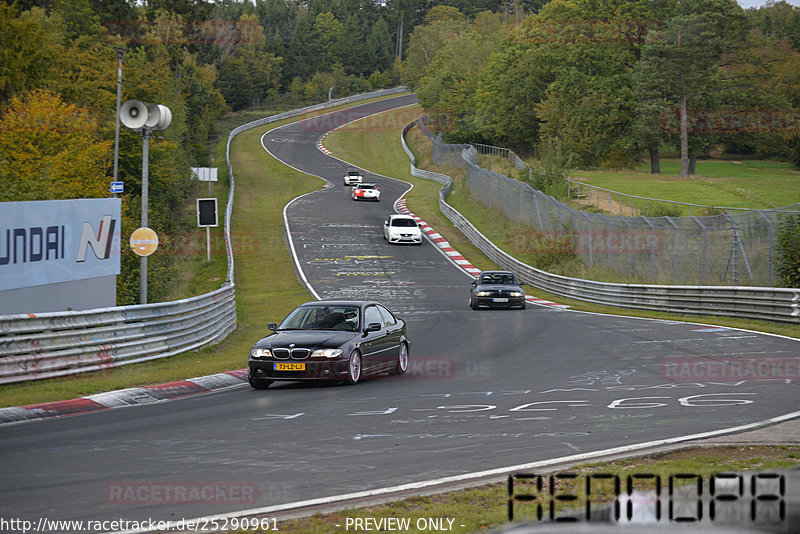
757, 3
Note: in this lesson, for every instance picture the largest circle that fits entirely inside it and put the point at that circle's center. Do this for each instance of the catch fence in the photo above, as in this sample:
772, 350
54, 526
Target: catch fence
735, 247
774, 304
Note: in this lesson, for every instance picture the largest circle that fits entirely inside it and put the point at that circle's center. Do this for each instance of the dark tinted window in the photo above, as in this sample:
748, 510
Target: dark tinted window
407, 223
498, 278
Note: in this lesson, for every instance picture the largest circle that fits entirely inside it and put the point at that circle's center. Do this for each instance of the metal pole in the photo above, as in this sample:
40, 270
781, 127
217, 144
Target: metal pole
145, 179
769, 254
676, 259
704, 253
208, 243
652, 248
120, 55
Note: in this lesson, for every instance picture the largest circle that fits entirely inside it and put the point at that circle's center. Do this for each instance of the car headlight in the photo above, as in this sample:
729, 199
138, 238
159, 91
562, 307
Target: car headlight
517, 294
260, 353
483, 293
326, 353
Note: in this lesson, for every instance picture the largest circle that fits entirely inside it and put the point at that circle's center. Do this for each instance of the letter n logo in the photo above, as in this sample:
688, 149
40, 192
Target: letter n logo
101, 246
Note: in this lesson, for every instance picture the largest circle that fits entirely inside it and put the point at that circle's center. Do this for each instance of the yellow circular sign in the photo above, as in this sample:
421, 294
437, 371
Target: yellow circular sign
144, 241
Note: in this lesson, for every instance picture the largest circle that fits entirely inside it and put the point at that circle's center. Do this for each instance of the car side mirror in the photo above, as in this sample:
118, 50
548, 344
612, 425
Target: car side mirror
372, 327
272, 326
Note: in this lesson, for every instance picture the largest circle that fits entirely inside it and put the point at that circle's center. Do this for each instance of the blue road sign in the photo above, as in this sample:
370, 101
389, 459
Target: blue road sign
116, 187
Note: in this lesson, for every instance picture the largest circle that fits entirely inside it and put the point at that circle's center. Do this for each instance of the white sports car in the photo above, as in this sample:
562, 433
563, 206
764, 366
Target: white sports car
353, 178
366, 192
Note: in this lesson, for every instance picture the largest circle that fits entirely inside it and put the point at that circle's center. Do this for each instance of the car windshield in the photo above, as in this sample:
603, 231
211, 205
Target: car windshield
322, 317
498, 278
353, 173
367, 186
404, 222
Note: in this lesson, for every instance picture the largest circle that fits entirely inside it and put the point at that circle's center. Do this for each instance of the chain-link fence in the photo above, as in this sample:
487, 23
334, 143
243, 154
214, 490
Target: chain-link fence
725, 249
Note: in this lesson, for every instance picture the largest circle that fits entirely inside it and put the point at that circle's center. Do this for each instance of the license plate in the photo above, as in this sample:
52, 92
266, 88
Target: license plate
290, 366
500, 300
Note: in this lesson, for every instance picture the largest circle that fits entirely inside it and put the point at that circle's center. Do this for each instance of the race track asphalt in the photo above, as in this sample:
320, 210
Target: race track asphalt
485, 389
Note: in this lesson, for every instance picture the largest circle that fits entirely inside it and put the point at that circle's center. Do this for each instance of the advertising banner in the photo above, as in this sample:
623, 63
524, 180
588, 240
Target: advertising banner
54, 241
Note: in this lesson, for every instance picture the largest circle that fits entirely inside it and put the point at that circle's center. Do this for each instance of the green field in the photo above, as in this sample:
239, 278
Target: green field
721, 183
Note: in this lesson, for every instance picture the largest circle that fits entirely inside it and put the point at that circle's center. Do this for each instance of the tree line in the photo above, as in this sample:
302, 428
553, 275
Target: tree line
202, 59
531, 74
612, 82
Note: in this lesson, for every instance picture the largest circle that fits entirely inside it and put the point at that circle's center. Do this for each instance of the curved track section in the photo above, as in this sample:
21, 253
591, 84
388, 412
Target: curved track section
485, 389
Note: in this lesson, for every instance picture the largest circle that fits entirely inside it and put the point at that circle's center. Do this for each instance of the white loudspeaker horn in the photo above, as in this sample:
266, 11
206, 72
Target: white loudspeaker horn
158, 116
133, 114
166, 118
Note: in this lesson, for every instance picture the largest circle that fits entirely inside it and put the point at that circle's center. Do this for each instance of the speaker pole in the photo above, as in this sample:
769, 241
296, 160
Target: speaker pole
120, 54
145, 179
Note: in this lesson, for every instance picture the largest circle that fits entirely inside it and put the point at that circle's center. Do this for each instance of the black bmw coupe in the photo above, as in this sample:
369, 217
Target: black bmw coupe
331, 340
496, 289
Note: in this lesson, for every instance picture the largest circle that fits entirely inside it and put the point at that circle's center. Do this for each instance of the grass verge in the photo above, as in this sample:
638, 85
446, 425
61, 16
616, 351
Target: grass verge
485, 507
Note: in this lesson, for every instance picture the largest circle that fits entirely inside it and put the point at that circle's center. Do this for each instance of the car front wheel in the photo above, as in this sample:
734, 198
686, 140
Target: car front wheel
258, 383
354, 368
402, 360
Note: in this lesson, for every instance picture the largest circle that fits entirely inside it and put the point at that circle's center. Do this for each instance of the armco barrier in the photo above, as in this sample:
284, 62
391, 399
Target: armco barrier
54, 344
773, 304
46, 345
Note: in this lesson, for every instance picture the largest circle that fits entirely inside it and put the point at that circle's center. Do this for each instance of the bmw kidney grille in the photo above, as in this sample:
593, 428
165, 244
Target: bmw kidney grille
295, 354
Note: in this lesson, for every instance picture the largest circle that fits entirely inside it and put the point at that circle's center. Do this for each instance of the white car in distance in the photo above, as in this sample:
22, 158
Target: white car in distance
353, 178
402, 229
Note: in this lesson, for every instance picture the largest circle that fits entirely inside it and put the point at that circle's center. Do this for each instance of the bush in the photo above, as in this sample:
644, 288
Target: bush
544, 250
709, 211
550, 181
662, 210
787, 252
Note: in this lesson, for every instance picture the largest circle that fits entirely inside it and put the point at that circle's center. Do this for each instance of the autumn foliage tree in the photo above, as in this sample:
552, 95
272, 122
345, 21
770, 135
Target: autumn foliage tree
50, 149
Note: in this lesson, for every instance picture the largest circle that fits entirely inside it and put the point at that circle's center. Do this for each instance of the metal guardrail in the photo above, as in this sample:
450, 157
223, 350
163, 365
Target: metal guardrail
46, 345
774, 304
54, 344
